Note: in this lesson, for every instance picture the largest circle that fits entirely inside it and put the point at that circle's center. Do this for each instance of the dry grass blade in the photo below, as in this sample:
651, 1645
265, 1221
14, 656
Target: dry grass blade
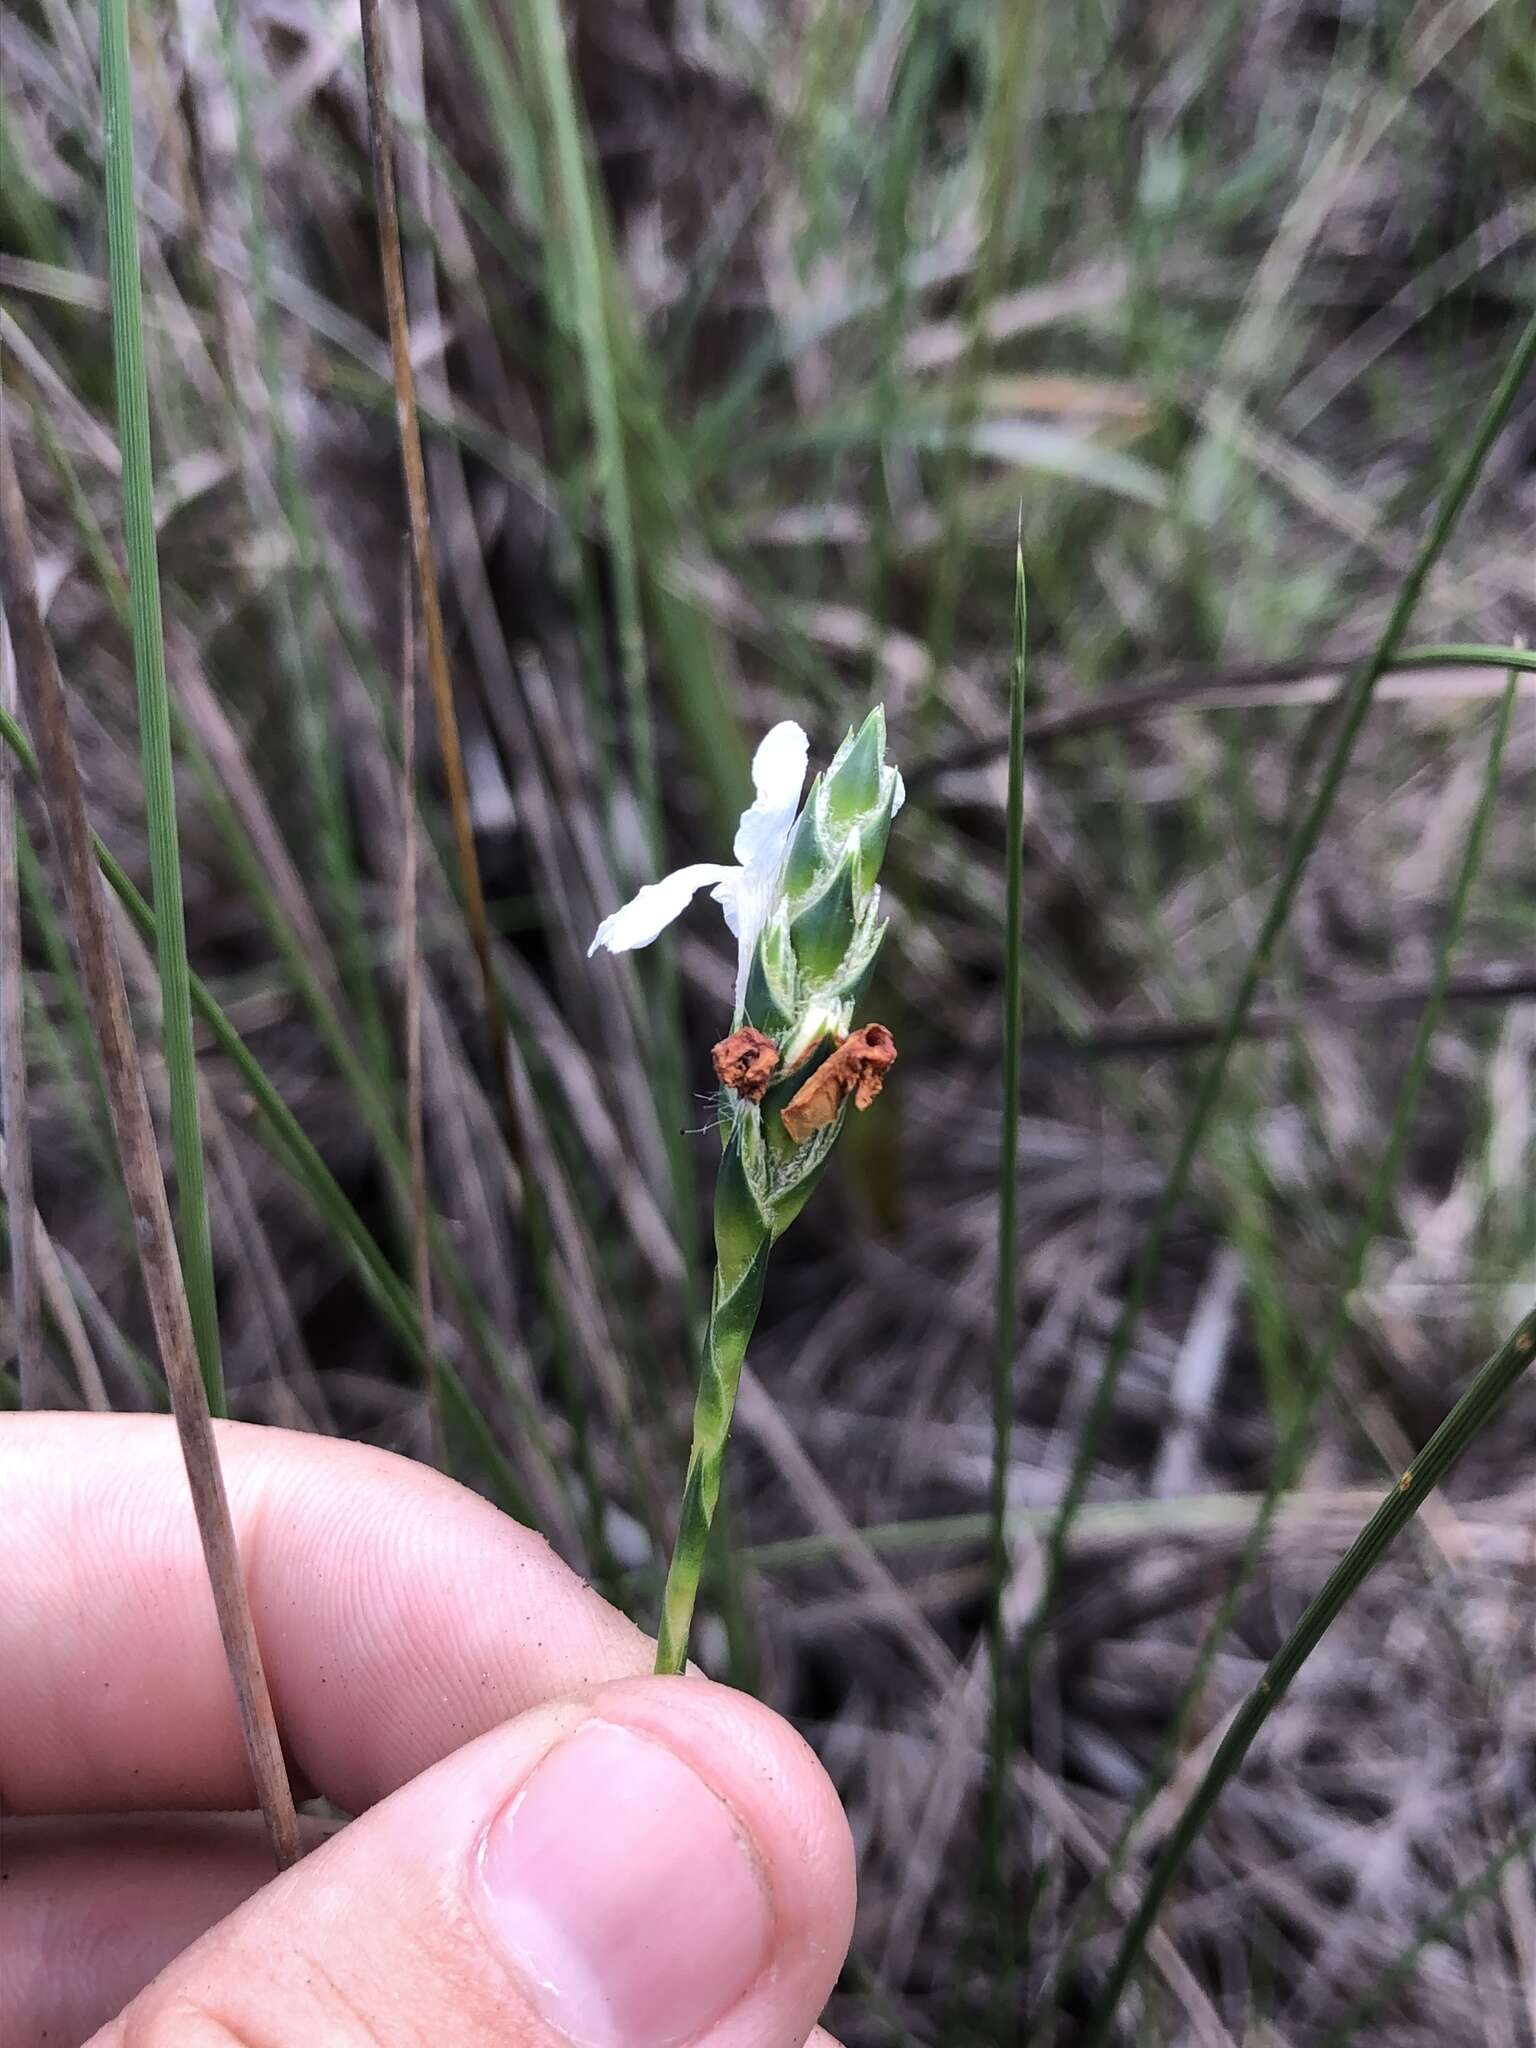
102, 977
13, 1077
1439, 1927
392, 263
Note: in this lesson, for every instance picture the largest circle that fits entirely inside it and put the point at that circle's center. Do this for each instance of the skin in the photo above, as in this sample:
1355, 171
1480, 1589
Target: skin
424, 1654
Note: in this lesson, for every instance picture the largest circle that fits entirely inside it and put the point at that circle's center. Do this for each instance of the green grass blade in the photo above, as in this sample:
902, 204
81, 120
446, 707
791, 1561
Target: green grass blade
154, 696
1472, 1412
1467, 655
1355, 702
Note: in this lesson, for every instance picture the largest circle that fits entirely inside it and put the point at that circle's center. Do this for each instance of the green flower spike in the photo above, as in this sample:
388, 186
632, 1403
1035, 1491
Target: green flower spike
804, 904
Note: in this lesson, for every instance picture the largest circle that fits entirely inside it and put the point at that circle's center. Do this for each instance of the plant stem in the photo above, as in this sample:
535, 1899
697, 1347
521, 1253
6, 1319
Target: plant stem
410, 971
743, 1240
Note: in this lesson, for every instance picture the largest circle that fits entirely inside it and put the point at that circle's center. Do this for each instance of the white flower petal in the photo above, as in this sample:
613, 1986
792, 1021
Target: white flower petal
637, 922
778, 776
901, 794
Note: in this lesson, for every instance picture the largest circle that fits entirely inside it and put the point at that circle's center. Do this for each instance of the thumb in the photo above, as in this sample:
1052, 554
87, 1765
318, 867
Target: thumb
662, 1861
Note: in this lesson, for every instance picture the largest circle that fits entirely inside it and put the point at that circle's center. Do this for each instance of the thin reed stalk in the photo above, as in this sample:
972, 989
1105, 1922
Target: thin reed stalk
154, 694
102, 975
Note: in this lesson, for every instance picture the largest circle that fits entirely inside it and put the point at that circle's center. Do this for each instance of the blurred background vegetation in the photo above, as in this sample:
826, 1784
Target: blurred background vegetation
745, 336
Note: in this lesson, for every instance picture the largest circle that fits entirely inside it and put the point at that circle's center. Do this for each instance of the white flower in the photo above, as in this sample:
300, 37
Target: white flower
746, 892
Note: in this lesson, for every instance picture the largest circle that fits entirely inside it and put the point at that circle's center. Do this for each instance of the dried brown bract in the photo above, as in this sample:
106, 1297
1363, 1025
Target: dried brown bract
856, 1068
745, 1063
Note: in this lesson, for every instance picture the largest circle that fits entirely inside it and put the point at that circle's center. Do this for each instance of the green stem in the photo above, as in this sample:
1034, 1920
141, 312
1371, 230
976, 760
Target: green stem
743, 1240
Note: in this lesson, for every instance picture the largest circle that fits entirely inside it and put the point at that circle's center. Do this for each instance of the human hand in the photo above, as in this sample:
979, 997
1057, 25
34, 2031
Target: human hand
552, 1847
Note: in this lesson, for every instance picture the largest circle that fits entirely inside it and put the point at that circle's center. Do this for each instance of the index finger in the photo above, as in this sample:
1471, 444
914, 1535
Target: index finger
399, 1616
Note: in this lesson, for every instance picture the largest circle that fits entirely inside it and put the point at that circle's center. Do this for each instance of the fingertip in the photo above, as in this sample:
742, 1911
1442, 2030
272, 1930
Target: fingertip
676, 1867
771, 1778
